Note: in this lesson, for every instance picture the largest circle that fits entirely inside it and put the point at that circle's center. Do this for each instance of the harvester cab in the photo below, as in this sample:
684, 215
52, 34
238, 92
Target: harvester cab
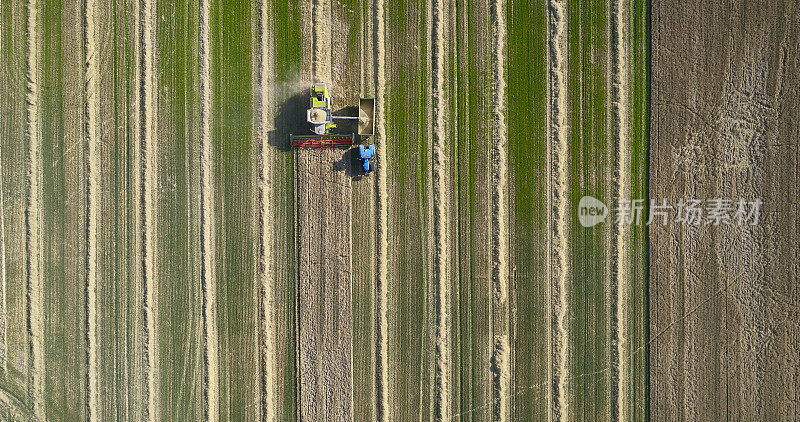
319, 113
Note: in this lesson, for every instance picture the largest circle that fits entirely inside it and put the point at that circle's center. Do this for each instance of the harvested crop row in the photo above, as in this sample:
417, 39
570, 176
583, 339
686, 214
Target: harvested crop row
268, 327
321, 18
208, 242
93, 218
501, 355
147, 190
441, 219
33, 216
3, 282
620, 282
558, 268
382, 392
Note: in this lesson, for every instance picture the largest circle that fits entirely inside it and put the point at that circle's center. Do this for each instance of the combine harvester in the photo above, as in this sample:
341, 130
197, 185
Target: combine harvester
321, 118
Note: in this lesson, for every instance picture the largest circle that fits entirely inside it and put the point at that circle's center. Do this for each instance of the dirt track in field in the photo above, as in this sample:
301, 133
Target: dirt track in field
723, 312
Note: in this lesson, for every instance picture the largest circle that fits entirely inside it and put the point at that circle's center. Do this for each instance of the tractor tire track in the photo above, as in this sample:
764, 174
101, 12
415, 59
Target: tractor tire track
208, 275
147, 192
382, 391
501, 362
93, 208
268, 326
33, 215
441, 218
620, 234
557, 189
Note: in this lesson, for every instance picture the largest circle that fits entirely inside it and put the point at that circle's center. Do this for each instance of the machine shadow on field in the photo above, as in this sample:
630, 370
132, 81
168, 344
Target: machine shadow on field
350, 161
291, 118
349, 164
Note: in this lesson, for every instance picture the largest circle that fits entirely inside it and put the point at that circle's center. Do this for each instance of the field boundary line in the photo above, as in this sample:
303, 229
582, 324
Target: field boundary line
34, 296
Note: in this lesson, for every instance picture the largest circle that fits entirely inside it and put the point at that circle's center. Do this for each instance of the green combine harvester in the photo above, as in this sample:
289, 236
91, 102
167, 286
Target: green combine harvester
320, 118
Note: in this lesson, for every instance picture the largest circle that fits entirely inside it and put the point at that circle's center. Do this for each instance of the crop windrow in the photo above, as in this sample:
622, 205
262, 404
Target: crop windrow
33, 216
268, 347
558, 268
322, 40
620, 234
382, 194
441, 218
148, 194
208, 274
3, 309
3, 282
93, 218
501, 362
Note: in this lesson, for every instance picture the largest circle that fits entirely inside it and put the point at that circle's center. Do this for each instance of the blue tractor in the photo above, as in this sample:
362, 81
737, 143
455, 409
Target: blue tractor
367, 152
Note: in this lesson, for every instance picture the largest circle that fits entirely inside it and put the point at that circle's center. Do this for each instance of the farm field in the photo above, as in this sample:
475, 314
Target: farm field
166, 255
723, 313
162, 243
